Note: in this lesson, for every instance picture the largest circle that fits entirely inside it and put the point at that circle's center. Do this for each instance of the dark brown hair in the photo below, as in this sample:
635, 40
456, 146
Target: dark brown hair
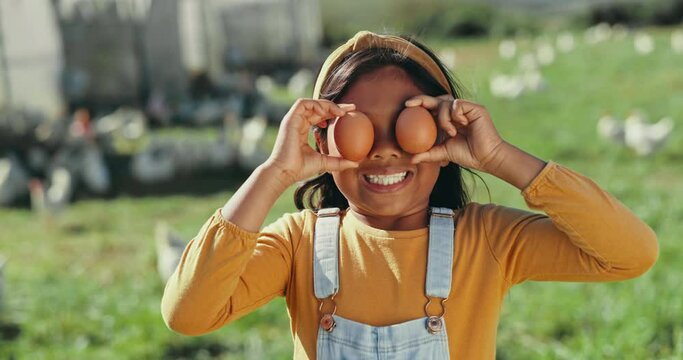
321, 191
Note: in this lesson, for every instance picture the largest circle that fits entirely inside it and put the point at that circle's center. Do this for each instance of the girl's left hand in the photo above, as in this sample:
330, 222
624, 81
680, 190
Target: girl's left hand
472, 139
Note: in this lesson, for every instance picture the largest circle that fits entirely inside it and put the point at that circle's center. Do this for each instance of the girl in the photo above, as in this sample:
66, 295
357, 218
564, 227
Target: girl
387, 257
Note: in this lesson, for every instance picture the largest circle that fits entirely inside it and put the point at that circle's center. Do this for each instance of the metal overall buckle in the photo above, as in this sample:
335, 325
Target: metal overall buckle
440, 214
327, 322
435, 322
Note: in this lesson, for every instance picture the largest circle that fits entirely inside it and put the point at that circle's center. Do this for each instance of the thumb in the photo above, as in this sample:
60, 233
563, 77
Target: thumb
331, 163
437, 153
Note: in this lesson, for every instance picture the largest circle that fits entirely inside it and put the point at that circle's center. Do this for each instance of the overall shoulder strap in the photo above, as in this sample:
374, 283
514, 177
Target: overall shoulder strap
440, 253
326, 253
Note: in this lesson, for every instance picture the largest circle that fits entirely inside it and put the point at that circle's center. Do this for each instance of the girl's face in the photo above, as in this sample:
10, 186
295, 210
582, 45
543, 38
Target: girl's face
386, 188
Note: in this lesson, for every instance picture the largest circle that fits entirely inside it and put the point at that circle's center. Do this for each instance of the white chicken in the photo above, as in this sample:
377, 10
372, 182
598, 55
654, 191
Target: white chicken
636, 133
265, 85
223, 152
565, 42
507, 49
93, 170
645, 138
545, 54
598, 33
300, 83
514, 85
643, 43
611, 129
169, 247
507, 86
52, 202
251, 148
449, 58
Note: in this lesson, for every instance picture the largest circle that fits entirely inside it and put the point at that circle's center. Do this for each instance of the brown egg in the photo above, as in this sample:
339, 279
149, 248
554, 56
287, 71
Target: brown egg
352, 135
415, 130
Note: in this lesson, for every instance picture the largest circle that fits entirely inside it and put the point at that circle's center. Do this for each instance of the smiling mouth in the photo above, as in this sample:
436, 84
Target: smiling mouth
386, 179
388, 182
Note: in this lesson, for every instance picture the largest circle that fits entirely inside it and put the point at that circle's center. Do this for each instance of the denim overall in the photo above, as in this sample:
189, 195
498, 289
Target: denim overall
423, 338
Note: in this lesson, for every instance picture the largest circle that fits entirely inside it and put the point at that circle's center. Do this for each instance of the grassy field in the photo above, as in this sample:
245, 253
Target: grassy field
87, 287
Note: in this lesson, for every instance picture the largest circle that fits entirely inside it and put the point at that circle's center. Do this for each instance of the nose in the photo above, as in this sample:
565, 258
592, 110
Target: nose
385, 146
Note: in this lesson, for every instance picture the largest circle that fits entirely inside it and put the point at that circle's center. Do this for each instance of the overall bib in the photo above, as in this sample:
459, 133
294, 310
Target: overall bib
423, 338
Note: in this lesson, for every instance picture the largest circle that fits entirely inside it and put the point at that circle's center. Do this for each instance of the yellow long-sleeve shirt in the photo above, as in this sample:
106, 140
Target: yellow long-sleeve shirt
587, 235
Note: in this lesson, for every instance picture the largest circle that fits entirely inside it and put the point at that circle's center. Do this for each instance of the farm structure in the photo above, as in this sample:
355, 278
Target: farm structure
110, 75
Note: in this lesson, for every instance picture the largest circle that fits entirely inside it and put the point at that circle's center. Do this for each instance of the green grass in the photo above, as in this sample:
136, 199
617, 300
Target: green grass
88, 288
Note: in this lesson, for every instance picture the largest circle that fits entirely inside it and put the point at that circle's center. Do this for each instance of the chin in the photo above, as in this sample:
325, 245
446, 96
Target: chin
384, 208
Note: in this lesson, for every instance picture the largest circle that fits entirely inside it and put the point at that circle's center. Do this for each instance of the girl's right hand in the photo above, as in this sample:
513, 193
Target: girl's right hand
292, 154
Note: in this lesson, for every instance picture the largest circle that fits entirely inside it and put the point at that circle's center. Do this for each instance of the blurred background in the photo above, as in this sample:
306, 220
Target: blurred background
124, 124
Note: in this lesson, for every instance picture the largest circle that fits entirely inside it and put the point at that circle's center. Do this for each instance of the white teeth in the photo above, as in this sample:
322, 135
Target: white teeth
386, 179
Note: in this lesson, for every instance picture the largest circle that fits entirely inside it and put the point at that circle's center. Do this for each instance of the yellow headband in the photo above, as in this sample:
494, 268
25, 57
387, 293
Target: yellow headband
366, 39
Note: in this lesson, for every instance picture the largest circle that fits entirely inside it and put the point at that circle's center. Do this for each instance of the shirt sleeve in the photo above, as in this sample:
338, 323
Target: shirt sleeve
225, 272
585, 234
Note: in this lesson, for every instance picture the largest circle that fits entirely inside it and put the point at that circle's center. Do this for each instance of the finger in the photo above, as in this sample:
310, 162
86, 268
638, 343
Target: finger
470, 111
444, 118
322, 109
316, 111
342, 110
331, 163
435, 154
428, 102
347, 107
468, 106
458, 112
337, 109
